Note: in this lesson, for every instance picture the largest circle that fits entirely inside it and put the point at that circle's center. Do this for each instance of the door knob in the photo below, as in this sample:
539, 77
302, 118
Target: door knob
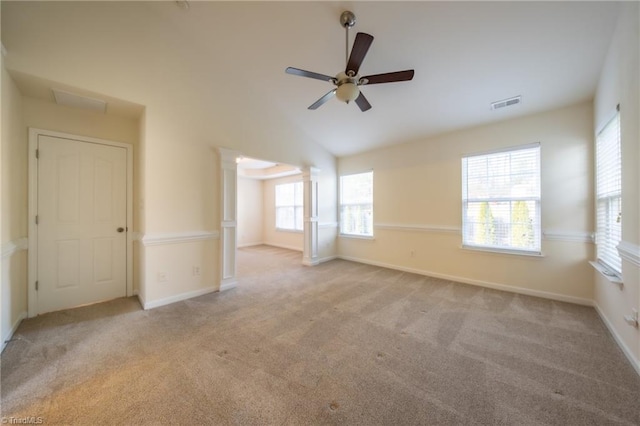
121, 229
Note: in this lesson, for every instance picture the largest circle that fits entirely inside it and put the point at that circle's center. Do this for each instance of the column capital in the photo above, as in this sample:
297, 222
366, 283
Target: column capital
228, 156
310, 172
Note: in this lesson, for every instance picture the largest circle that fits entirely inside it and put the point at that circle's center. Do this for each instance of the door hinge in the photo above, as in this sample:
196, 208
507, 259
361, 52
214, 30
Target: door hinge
37, 154
36, 219
36, 285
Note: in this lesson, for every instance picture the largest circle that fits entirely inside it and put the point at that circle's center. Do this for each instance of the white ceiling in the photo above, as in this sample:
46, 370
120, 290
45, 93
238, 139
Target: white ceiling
264, 170
465, 55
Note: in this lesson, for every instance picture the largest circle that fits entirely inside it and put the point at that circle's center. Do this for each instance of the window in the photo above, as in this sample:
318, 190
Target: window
609, 194
501, 200
289, 206
356, 204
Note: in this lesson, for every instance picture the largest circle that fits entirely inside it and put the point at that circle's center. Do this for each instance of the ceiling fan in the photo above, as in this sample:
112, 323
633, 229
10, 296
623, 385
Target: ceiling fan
348, 82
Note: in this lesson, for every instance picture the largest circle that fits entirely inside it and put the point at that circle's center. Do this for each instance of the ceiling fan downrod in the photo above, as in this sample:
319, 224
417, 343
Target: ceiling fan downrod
347, 20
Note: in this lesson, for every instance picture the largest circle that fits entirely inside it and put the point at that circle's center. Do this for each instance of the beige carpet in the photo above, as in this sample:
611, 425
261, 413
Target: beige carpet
340, 343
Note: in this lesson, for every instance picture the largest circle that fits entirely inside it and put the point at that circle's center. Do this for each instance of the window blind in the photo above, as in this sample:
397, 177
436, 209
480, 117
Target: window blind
609, 194
356, 204
501, 200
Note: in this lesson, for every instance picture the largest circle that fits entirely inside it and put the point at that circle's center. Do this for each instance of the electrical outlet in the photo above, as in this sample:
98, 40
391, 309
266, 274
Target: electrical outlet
632, 319
196, 271
162, 277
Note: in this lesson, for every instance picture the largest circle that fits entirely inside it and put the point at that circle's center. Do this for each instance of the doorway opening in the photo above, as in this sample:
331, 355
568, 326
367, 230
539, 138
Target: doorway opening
229, 160
270, 212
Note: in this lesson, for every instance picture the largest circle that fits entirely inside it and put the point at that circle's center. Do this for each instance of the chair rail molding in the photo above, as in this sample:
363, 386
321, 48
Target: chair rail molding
448, 229
568, 236
11, 247
629, 252
176, 237
548, 234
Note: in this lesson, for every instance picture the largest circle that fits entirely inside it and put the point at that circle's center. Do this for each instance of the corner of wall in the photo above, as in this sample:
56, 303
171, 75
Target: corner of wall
619, 83
13, 207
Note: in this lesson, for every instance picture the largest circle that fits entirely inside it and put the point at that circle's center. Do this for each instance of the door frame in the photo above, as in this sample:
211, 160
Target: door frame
32, 274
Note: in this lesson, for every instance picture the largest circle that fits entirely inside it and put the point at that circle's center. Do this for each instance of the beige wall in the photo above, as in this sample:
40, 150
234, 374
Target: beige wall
293, 240
14, 162
419, 185
619, 85
184, 123
181, 182
50, 116
250, 211
13, 299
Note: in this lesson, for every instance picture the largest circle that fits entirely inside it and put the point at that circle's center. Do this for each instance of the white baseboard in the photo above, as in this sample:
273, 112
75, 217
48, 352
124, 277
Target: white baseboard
14, 327
487, 284
250, 244
228, 285
284, 246
177, 298
141, 299
635, 363
327, 259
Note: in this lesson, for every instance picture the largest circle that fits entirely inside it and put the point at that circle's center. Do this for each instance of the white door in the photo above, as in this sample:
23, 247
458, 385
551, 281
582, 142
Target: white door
82, 215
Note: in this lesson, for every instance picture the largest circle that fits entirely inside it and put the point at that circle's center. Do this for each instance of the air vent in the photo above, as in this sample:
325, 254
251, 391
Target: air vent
77, 101
506, 102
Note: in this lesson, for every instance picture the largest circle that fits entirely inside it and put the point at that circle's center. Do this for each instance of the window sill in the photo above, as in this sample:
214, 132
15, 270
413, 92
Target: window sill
357, 237
504, 252
606, 273
293, 231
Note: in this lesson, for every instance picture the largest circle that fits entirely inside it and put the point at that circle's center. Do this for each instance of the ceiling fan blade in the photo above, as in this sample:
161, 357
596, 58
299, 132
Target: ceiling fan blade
323, 99
358, 52
363, 103
389, 77
303, 73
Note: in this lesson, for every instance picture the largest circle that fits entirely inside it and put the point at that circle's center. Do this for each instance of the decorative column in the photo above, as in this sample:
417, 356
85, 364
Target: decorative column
228, 217
310, 184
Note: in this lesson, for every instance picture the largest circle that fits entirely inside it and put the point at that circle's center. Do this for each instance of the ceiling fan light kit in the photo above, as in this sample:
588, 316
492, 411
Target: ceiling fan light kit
347, 90
348, 82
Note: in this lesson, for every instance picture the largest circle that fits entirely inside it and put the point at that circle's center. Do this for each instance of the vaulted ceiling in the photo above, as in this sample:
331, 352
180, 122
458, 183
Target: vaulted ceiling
465, 55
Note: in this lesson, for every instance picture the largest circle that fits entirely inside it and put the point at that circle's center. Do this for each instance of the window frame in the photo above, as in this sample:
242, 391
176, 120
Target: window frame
607, 254
341, 206
536, 251
296, 208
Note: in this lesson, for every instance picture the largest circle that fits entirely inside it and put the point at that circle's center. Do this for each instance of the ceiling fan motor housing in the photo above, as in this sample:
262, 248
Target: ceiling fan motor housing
343, 78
